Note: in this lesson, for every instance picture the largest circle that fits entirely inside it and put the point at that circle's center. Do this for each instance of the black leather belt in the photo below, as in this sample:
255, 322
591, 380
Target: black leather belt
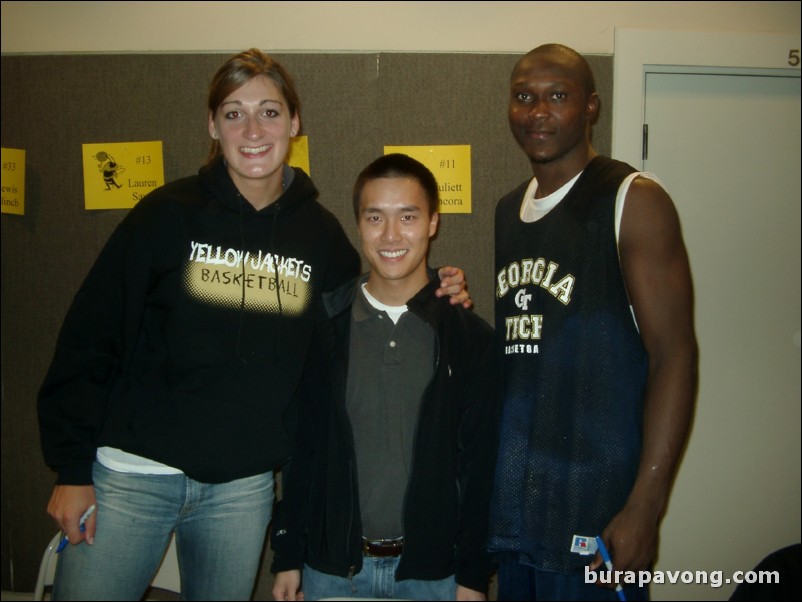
382, 548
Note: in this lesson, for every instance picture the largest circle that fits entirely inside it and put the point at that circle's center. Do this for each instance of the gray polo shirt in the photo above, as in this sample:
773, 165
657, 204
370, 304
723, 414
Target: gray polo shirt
390, 366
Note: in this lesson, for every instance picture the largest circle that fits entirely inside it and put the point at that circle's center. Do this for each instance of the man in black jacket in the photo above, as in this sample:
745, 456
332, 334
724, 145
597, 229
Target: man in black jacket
387, 494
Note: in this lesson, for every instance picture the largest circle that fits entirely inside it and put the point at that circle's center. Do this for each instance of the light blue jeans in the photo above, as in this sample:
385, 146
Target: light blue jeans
219, 529
376, 580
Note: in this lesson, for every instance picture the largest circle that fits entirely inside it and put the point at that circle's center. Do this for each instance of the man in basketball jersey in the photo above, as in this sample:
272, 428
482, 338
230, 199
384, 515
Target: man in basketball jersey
594, 322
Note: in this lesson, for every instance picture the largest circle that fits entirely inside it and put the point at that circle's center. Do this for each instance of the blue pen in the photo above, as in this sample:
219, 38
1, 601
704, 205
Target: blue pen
81, 525
609, 564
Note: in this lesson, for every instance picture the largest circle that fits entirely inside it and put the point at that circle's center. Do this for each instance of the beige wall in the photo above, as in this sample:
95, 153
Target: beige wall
54, 27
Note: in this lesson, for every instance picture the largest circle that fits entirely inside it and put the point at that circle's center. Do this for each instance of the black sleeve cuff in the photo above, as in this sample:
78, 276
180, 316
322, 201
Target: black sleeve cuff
75, 474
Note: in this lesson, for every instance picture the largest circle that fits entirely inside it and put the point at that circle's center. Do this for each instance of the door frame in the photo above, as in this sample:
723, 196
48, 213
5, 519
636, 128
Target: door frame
639, 51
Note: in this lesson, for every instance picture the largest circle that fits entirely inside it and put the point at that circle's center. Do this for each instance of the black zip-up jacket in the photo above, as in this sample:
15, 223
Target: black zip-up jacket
447, 498
187, 340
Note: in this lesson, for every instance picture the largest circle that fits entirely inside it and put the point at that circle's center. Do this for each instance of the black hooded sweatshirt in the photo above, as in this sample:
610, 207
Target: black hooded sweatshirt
186, 341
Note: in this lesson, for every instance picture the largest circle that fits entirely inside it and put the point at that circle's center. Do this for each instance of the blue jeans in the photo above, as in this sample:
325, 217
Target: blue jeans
518, 581
375, 580
219, 528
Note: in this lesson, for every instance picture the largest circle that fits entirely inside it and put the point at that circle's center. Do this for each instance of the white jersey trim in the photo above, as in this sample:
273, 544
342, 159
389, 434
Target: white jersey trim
620, 198
533, 209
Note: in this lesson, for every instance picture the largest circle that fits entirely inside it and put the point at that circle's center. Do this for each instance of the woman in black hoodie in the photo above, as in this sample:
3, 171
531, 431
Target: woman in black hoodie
169, 401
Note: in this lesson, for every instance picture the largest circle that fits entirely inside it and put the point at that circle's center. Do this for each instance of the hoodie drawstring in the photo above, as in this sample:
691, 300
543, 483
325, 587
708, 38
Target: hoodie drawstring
278, 283
242, 296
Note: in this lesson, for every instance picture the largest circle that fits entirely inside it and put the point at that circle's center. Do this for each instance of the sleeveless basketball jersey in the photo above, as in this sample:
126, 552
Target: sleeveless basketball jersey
574, 373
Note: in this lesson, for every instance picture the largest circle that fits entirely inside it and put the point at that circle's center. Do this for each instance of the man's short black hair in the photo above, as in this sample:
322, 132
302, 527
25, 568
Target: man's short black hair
398, 165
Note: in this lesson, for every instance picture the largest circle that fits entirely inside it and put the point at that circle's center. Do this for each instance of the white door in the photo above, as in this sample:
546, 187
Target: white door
727, 147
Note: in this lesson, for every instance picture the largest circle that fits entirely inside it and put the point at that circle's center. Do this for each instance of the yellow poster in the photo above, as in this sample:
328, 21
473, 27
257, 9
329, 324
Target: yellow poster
299, 153
118, 174
13, 181
451, 166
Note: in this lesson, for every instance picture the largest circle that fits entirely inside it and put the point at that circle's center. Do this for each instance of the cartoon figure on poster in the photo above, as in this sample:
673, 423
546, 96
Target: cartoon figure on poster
109, 168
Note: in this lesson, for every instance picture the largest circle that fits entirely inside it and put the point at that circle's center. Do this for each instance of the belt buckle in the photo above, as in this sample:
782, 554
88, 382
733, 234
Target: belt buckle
382, 548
